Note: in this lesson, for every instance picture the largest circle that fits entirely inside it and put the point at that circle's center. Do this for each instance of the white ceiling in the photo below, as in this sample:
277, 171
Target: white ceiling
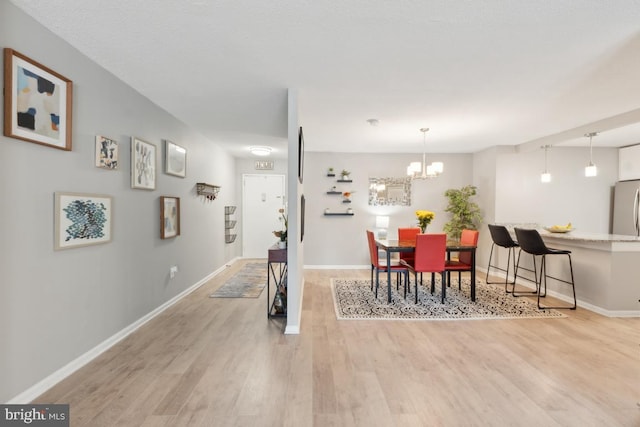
479, 73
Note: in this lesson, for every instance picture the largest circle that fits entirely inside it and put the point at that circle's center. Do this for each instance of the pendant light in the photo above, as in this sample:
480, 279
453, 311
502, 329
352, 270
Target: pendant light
546, 176
591, 169
417, 170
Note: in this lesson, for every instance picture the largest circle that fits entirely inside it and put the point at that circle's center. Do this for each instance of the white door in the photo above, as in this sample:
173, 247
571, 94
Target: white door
262, 196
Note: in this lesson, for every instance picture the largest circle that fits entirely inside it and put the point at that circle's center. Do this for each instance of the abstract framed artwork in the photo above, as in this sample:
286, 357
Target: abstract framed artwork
143, 164
175, 162
169, 217
37, 102
106, 153
300, 155
82, 219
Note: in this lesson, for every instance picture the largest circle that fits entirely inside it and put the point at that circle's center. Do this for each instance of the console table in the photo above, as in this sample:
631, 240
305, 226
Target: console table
277, 272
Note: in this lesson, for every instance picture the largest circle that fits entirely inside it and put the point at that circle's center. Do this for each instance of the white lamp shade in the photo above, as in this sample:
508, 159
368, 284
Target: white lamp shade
438, 167
591, 170
545, 177
382, 222
415, 167
430, 170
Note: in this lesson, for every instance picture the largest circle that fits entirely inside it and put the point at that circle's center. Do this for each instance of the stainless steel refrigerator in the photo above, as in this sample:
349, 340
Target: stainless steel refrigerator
626, 208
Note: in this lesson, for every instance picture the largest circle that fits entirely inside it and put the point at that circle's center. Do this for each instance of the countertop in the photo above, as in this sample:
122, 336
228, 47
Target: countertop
575, 235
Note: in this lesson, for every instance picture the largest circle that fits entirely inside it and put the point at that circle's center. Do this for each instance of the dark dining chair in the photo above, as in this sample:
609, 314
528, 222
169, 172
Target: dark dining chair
531, 242
464, 261
502, 238
378, 266
429, 257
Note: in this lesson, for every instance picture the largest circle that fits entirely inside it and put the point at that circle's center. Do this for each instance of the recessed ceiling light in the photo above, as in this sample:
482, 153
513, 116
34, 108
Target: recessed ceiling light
260, 150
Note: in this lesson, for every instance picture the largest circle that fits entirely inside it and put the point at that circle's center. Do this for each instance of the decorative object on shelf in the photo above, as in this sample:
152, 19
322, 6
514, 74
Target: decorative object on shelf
37, 102
229, 224
82, 219
334, 190
390, 191
345, 175
591, 169
169, 217
465, 214
106, 153
546, 176
330, 172
282, 233
350, 211
143, 164
347, 196
175, 159
208, 191
300, 155
327, 210
424, 219
417, 170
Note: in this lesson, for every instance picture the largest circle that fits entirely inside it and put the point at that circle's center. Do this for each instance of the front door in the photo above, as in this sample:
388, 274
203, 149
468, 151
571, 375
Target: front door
262, 196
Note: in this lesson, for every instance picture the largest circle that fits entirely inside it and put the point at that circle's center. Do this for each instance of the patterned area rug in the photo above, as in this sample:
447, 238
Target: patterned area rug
248, 282
353, 299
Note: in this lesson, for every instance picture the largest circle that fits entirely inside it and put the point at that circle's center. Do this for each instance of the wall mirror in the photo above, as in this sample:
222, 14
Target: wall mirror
390, 191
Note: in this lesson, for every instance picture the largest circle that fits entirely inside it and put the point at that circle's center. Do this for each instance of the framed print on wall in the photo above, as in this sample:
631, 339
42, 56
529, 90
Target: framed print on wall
175, 159
37, 102
300, 155
143, 164
106, 153
169, 217
82, 219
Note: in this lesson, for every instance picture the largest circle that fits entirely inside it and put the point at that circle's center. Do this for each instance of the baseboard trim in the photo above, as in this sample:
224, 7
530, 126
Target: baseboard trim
295, 329
337, 267
42, 386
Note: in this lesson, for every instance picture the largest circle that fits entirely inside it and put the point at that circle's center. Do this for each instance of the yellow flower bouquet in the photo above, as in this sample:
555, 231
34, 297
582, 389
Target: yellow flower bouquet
424, 219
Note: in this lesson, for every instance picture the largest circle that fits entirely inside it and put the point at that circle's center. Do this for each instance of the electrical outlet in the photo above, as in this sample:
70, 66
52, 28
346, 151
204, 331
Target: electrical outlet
172, 271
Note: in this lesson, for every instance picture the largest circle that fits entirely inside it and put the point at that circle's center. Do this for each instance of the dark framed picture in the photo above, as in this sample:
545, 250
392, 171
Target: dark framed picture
300, 155
82, 219
169, 217
302, 209
37, 102
143, 164
175, 159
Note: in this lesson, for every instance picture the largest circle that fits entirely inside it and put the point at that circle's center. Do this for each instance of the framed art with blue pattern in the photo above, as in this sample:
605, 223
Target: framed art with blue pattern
82, 219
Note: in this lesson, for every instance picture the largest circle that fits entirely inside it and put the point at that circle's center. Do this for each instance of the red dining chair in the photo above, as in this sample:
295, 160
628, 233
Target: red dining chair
379, 266
464, 260
430, 256
408, 233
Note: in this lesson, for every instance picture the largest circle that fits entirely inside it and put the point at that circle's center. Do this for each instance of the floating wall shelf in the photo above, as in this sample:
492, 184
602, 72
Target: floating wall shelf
208, 191
338, 214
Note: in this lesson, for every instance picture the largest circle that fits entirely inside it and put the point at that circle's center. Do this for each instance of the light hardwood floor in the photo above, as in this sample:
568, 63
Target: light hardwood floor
221, 362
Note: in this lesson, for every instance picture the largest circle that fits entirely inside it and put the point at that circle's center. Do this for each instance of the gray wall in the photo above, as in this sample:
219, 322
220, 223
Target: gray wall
57, 305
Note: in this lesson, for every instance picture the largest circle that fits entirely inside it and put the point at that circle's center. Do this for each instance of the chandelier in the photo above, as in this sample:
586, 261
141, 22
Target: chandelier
417, 170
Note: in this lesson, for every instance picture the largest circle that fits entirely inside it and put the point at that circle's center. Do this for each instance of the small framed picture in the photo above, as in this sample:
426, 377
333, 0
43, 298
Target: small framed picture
175, 159
143, 164
82, 219
106, 153
169, 217
37, 102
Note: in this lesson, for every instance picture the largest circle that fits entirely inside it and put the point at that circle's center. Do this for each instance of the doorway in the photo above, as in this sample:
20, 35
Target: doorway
262, 196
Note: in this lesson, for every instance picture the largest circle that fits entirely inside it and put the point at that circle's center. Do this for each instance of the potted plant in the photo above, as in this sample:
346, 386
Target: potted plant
465, 214
345, 174
330, 172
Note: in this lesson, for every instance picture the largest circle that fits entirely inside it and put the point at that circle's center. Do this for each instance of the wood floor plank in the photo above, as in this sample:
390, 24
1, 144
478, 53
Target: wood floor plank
221, 362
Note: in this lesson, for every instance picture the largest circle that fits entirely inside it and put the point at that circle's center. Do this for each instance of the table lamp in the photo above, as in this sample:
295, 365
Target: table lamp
382, 224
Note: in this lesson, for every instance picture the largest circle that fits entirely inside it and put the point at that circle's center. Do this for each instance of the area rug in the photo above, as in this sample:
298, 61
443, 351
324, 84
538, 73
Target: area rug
248, 282
353, 299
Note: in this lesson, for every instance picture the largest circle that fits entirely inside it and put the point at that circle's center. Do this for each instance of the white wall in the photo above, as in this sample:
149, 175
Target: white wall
57, 305
341, 240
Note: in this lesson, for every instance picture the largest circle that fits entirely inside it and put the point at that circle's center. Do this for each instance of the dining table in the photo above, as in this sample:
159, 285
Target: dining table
390, 246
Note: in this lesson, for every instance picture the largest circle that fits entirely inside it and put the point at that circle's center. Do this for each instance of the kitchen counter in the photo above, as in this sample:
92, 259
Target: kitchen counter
605, 266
